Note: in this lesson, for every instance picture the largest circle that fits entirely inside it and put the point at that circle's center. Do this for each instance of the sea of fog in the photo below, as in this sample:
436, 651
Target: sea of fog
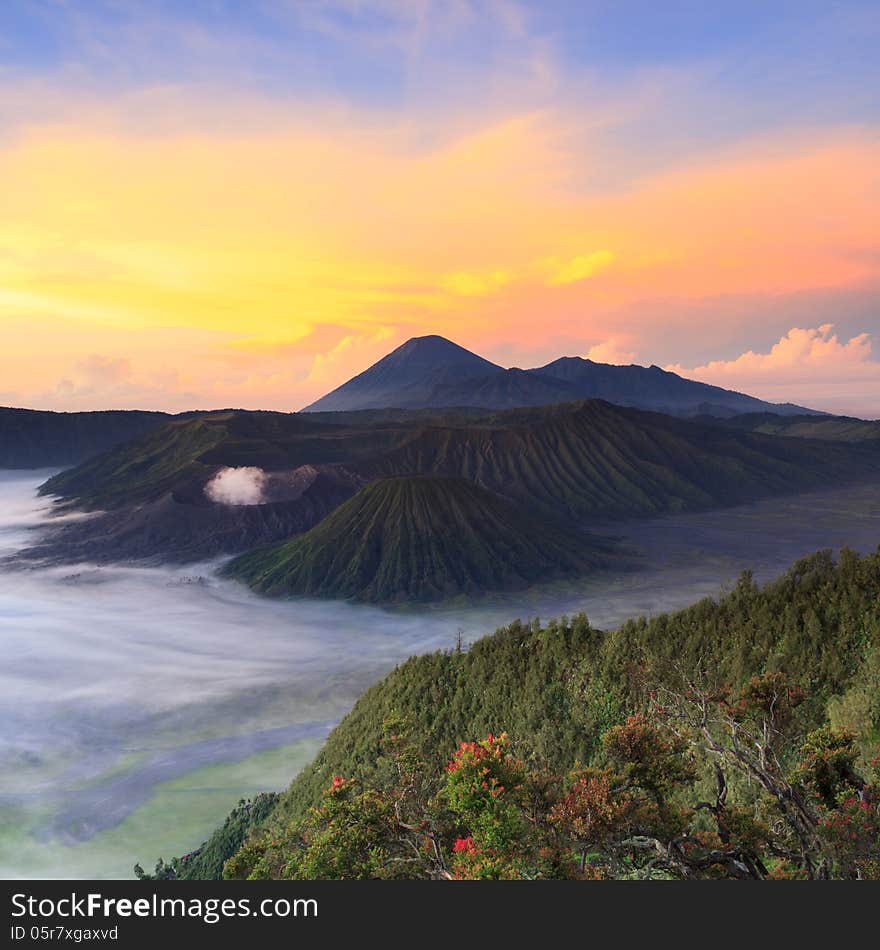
137, 705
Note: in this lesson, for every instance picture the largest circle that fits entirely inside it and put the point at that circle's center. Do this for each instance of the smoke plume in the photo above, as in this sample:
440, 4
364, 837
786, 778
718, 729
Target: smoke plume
237, 486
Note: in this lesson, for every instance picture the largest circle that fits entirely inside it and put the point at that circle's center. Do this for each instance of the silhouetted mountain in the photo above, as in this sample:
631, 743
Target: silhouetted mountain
829, 428
31, 438
431, 372
420, 539
656, 389
506, 389
406, 377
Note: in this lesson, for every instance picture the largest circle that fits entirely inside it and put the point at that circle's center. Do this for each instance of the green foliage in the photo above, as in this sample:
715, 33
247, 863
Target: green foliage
206, 862
858, 708
495, 818
483, 785
560, 686
847, 801
648, 756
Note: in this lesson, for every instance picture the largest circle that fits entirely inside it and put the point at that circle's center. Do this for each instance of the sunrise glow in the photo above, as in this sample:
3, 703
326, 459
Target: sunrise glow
249, 232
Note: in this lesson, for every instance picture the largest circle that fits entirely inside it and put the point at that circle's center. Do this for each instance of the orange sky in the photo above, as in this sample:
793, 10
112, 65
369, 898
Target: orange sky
150, 260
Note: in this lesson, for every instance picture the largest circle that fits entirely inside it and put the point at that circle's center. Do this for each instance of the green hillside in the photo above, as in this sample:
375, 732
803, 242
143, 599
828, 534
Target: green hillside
557, 688
582, 459
142, 470
182, 455
593, 459
419, 539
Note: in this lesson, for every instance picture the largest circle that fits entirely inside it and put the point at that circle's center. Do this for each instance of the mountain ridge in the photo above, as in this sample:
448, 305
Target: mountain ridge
36, 438
591, 461
433, 372
408, 373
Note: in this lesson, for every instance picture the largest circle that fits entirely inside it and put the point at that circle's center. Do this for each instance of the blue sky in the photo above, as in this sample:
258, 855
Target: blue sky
378, 51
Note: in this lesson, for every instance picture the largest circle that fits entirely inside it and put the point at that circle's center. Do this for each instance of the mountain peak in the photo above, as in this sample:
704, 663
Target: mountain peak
405, 377
431, 372
434, 348
458, 538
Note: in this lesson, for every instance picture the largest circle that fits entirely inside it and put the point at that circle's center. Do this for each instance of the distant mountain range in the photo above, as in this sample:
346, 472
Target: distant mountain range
588, 463
431, 372
32, 438
830, 428
435, 475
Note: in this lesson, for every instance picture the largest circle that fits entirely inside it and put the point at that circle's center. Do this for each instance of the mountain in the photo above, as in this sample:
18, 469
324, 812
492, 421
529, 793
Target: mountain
432, 372
406, 377
185, 526
30, 438
505, 389
420, 539
182, 456
597, 461
656, 389
590, 461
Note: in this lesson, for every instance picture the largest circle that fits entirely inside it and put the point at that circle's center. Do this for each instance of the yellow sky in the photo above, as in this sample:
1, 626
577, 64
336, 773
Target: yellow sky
262, 267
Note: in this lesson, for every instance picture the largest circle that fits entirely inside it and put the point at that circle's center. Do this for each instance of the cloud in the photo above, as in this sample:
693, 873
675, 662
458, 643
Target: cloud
105, 370
475, 285
580, 267
253, 254
350, 355
811, 366
611, 351
237, 486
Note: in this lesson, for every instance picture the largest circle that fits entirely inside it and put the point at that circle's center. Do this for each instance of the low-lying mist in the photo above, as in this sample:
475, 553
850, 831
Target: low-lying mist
137, 705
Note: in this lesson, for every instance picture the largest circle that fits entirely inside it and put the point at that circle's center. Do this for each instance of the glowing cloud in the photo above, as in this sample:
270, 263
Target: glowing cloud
813, 362
611, 351
580, 268
261, 266
349, 354
475, 285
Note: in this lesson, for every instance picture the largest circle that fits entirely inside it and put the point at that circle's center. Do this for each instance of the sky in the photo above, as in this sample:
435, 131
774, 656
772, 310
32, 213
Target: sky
212, 203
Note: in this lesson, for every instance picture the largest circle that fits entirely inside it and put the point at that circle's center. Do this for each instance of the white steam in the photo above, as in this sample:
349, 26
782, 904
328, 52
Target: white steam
237, 486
